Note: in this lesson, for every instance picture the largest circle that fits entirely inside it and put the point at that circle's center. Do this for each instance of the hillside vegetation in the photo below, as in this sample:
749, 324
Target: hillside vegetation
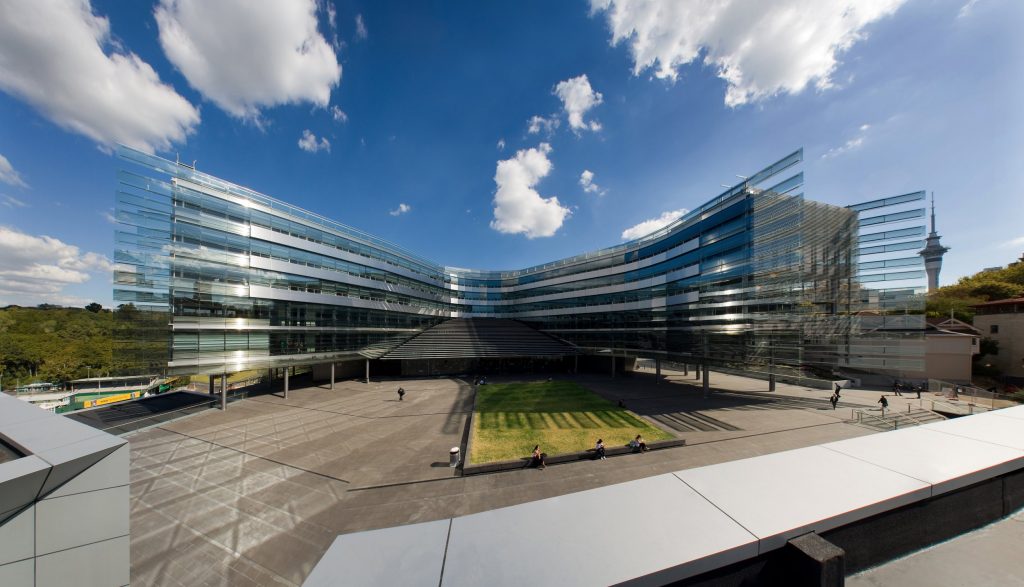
984, 286
50, 343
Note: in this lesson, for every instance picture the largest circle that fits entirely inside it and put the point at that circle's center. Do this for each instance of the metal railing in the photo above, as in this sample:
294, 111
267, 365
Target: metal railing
864, 418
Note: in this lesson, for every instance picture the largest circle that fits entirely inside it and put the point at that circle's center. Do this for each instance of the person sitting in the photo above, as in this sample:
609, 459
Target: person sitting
599, 449
638, 444
537, 460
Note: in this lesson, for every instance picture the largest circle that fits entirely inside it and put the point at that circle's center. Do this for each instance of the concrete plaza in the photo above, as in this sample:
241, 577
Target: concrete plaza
256, 494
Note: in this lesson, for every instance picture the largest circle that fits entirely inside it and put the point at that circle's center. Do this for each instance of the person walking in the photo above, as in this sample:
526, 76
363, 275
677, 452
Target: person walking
834, 399
896, 388
401, 394
884, 402
599, 449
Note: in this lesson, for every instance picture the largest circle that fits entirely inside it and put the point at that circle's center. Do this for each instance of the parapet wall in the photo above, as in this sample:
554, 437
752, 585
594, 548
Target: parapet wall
64, 501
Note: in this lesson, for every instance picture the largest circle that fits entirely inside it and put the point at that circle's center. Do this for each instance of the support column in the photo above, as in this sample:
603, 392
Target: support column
270, 378
332, 376
657, 371
771, 382
707, 381
613, 365
286, 371
696, 371
212, 386
686, 369
367, 371
575, 364
224, 391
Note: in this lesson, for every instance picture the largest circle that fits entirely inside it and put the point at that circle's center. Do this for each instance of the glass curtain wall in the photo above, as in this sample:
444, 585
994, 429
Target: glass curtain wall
215, 277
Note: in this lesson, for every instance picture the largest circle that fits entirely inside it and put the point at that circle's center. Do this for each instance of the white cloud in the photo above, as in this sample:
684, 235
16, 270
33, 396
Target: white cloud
577, 98
245, 57
332, 15
850, 145
12, 202
59, 57
309, 143
588, 185
339, 115
648, 226
759, 48
36, 269
361, 32
10, 175
965, 10
518, 208
1015, 242
401, 209
539, 123
501, 144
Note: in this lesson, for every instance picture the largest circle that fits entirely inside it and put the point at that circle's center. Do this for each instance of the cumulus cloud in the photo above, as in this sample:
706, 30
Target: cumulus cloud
539, 123
760, 49
1015, 242
244, 57
401, 209
518, 208
59, 57
648, 226
850, 145
577, 98
36, 269
309, 143
10, 175
588, 185
361, 32
338, 115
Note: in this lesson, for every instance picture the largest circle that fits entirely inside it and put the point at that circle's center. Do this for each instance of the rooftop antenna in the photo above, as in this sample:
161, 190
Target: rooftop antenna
933, 212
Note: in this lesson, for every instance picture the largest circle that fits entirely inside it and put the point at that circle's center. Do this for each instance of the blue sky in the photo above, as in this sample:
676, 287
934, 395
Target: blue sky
416, 117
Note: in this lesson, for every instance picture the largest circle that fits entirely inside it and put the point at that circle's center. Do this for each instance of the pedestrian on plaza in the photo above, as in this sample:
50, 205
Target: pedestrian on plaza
834, 399
599, 449
884, 402
537, 460
638, 444
917, 388
838, 387
896, 388
401, 394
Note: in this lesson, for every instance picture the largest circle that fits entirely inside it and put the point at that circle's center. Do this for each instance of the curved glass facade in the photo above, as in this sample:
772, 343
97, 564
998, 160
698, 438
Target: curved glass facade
223, 278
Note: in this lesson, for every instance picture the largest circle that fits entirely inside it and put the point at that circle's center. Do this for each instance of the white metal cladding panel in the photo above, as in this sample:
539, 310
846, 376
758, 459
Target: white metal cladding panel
601, 536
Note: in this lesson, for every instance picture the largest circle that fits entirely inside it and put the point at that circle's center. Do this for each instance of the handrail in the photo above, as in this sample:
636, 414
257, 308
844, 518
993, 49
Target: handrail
895, 418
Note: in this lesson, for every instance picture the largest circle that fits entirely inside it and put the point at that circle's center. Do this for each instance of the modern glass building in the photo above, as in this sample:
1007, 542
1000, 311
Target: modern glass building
221, 278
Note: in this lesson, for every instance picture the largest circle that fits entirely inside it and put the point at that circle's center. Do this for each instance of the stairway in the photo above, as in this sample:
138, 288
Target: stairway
894, 420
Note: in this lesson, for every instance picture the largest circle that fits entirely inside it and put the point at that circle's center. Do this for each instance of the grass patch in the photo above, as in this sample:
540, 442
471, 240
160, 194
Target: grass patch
560, 416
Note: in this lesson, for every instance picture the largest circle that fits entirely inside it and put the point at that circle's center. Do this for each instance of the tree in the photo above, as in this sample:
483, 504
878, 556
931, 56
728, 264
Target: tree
94, 307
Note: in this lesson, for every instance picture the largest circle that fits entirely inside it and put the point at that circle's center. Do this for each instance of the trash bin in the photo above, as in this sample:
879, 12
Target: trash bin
453, 457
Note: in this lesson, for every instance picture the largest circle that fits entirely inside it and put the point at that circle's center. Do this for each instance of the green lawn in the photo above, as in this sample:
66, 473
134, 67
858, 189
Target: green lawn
560, 416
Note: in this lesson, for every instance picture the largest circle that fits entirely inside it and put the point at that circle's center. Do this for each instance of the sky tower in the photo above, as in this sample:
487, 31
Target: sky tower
932, 253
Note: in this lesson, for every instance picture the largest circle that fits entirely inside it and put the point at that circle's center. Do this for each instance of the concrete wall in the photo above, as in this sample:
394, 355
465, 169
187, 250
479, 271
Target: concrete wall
1010, 359
64, 504
949, 357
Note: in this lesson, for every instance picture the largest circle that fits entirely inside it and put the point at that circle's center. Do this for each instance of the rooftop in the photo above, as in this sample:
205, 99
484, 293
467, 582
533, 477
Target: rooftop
256, 494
